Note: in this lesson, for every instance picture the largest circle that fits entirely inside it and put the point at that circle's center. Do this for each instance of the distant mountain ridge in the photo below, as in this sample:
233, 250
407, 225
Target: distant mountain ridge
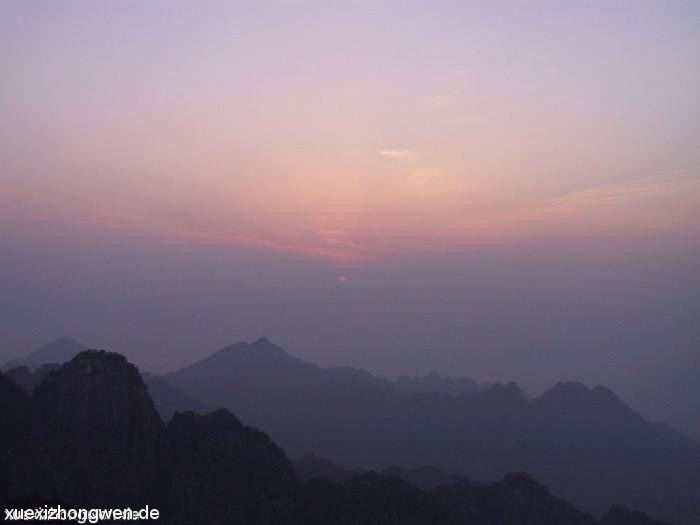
90, 436
425, 477
57, 351
586, 444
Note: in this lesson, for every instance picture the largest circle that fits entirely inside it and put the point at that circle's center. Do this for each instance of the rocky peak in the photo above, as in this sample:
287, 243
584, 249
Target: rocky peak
93, 415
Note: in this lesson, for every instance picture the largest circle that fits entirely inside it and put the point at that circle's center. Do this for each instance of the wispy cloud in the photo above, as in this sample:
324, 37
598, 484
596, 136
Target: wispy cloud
635, 188
332, 244
400, 154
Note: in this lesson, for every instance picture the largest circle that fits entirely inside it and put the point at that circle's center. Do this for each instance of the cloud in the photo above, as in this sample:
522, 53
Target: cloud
635, 188
331, 233
399, 154
340, 239
18, 206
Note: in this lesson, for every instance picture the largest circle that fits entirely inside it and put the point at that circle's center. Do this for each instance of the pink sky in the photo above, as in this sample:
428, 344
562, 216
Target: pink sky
352, 131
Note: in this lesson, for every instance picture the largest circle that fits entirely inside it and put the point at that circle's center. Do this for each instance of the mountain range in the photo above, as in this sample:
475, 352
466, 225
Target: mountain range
585, 444
89, 435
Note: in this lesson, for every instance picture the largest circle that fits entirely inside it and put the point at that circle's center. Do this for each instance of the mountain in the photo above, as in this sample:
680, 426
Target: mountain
311, 466
29, 379
30, 371
216, 470
90, 437
586, 444
96, 440
426, 477
91, 416
304, 406
57, 351
169, 400
434, 382
620, 515
16, 413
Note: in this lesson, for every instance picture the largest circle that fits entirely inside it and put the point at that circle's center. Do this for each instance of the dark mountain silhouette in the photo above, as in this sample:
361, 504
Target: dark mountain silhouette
91, 416
16, 413
296, 400
426, 477
586, 444
57, 351
29, 378
217, 470
90, 436
620, 515
311, 466
30, 371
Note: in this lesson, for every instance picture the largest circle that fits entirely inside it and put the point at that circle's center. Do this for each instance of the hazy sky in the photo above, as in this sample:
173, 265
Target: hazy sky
509, 190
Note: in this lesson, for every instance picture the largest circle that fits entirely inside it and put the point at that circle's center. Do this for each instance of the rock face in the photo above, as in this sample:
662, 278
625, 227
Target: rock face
91, 437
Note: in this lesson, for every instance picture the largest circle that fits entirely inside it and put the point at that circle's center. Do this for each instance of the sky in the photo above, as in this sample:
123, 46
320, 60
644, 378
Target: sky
507, 190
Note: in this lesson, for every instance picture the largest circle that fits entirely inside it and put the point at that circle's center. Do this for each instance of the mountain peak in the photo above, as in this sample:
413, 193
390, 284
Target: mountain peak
260, 347
505, 393
94, 415
101, 360
579, 393
58, 348
603, 392
263, 344
567, 390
